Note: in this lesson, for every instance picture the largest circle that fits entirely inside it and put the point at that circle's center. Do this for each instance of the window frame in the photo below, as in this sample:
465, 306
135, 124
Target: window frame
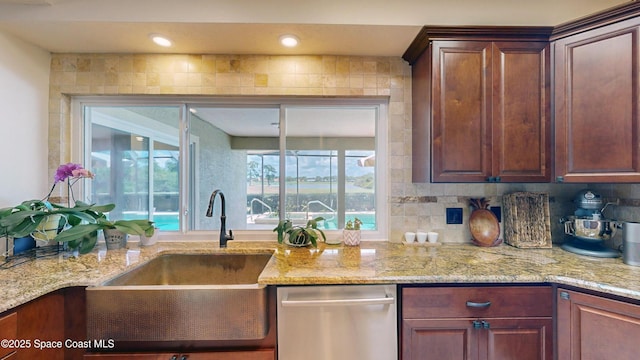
79, 141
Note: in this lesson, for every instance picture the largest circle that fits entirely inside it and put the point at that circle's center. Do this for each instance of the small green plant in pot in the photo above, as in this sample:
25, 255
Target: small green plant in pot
299, 235
351, 232
122, 228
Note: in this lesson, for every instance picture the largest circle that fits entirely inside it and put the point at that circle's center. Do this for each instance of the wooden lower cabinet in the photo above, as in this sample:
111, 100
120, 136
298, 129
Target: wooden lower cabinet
477, 323
41, 322
42, 325
8, 330
267, 354
591, 327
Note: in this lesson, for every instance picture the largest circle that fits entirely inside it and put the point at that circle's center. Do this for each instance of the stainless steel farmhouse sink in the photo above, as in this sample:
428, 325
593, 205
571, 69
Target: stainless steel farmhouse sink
183, 297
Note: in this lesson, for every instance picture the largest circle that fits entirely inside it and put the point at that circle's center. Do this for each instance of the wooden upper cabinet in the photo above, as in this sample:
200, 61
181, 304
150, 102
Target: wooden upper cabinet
482, 96
521, 111
461, 111
596, 105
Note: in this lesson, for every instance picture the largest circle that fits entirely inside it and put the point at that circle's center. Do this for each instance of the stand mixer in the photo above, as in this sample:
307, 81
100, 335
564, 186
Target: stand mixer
588, 228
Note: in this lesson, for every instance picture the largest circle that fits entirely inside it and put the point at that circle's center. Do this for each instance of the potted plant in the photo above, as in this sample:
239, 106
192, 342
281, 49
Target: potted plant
115, 232
46, 221
351, 232
299, 235
76, 224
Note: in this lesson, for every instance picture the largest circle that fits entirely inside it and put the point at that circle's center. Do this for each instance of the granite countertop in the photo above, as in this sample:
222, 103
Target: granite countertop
371, 262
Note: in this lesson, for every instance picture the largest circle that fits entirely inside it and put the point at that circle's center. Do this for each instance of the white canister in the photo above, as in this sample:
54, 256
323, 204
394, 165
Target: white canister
631, 243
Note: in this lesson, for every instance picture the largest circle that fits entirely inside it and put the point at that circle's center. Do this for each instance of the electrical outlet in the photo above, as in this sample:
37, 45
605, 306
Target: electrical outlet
497, 211
454, 215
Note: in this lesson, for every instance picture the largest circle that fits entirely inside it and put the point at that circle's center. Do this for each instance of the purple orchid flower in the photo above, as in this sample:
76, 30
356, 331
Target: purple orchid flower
72, 170
68, 172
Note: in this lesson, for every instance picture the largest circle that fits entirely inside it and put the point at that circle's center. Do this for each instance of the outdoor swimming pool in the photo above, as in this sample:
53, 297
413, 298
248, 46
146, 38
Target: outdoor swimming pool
170, 221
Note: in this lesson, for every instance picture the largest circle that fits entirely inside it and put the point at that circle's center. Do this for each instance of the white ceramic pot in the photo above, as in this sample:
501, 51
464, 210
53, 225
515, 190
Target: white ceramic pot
149, 240
48, 228
351, 237
115, 239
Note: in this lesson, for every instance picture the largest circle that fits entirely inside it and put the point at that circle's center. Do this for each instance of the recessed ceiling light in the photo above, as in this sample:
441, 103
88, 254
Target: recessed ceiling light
160, 40
289, 40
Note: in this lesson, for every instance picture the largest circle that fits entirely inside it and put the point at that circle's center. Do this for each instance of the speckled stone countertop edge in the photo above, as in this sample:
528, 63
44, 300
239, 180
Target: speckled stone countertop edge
370, 263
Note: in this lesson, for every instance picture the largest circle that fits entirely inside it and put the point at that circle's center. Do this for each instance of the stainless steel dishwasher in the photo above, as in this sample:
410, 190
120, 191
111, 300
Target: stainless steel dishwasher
343, 322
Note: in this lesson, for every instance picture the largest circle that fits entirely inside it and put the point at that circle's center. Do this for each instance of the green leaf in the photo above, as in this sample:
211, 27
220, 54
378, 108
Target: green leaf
77, 218
77, 232
17, 217
133, 227
103, 208
19, 225
88, 242
284, 227
84, 244
132, 230
26, 227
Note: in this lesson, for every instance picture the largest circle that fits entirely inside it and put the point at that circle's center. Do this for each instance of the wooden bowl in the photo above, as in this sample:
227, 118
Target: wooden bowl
484, 227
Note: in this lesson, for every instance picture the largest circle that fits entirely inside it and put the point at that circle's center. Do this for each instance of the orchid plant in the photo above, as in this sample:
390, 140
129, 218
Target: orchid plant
72, 173
79, 223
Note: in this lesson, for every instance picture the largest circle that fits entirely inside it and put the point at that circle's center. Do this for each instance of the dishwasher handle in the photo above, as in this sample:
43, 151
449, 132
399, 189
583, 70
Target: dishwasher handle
339, 302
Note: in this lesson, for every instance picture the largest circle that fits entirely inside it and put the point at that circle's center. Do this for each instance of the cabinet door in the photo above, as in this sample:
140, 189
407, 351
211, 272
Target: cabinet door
42, 319
517, 338
592, 327
521, 112
8, 330
461, 111
596, 105
453, 339
267, 354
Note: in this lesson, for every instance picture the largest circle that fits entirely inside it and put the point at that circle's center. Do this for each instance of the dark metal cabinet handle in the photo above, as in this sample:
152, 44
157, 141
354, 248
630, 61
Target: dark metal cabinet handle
473, 304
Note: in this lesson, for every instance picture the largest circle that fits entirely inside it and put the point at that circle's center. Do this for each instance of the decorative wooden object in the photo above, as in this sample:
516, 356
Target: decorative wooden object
483, 224
526, 220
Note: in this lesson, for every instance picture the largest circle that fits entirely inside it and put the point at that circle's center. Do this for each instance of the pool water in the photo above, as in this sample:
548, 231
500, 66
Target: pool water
164, 222
368, 221
170, 221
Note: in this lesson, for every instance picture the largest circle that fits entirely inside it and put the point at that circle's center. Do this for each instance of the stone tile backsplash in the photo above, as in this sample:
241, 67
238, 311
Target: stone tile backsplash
410, 206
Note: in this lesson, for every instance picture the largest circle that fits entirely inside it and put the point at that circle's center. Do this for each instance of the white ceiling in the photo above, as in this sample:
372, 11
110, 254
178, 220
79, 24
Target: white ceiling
301, 121
325, 27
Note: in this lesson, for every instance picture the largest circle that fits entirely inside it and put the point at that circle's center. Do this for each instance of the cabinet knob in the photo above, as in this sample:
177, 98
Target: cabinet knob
559, 179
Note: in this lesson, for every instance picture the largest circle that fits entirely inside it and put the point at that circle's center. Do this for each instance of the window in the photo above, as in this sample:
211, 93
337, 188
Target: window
134, 152
295, 158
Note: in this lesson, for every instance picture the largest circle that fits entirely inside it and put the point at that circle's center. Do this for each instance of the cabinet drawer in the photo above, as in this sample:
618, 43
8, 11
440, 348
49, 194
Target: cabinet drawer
454, 302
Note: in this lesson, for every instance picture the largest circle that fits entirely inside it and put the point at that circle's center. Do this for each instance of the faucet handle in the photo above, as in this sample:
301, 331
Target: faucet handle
230, 237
